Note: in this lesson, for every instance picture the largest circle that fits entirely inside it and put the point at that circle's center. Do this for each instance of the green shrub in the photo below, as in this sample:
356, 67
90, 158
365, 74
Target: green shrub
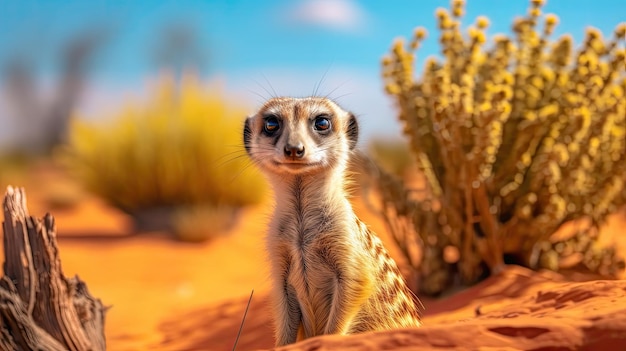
199, 224
515, 139
13, 168
393, 155
182, 148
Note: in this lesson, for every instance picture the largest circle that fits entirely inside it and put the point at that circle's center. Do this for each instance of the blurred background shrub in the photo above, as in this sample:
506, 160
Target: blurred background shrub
393, 155
200, 223
515, 139
181, 148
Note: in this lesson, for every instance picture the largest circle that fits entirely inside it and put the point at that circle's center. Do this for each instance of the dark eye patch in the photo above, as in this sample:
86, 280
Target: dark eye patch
322, 123
353, 131
247, 135
271, 124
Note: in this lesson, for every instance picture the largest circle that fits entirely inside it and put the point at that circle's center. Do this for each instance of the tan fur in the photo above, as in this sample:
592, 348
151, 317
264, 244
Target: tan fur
330, 273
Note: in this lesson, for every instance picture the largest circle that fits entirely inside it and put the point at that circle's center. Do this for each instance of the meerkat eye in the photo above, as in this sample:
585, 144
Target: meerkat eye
271, 125
322, 123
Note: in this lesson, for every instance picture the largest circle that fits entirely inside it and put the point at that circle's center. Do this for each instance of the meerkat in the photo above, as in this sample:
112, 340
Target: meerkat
330, 274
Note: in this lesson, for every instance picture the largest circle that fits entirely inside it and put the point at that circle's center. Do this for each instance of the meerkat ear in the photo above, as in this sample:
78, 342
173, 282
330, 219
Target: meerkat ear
247, 135
353, 131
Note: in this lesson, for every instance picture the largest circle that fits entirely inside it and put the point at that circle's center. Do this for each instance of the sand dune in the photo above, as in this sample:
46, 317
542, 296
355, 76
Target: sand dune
516, 310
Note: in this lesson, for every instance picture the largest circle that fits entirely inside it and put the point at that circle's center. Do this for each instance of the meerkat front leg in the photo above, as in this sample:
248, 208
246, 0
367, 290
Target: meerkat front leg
288, 316
349, 296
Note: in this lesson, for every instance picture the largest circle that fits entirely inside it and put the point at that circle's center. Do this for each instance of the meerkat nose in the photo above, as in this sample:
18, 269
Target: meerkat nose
294, 151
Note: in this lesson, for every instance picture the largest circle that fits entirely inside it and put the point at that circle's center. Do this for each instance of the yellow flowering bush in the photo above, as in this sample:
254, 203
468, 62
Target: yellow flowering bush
515, 136
182, 148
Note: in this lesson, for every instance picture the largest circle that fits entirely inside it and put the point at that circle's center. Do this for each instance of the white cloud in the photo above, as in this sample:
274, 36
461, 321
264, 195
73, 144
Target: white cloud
345, 15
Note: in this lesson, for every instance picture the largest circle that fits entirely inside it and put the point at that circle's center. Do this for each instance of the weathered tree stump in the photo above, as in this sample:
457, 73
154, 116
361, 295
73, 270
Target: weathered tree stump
41, 309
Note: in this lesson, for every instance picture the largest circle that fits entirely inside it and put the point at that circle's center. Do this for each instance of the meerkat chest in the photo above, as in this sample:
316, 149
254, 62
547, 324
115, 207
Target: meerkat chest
315, 242
315, 267
311, 240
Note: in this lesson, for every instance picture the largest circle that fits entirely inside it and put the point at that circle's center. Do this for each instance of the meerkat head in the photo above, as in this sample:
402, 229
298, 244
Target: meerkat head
300, 135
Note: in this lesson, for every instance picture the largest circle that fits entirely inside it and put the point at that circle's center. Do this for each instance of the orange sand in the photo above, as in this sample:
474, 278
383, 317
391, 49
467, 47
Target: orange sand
168, 295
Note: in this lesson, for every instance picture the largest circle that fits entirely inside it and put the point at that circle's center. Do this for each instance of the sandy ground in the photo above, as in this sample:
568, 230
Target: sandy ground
169, 295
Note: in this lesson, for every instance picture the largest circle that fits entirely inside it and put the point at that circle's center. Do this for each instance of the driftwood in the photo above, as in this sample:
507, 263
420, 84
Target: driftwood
41, 309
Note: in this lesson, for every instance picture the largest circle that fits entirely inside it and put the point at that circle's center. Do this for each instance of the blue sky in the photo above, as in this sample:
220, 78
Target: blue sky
249, 45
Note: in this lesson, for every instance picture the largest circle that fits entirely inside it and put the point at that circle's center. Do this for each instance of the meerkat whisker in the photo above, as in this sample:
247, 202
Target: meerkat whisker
270, 94
270, 85
238, 174
336, 98
319, 82
259, 95
229, 160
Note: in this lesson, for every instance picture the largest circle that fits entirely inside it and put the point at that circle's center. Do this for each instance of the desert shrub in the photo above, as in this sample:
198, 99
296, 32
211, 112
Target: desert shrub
515, 138
13, 168
182, 148
203, 223
393, 155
